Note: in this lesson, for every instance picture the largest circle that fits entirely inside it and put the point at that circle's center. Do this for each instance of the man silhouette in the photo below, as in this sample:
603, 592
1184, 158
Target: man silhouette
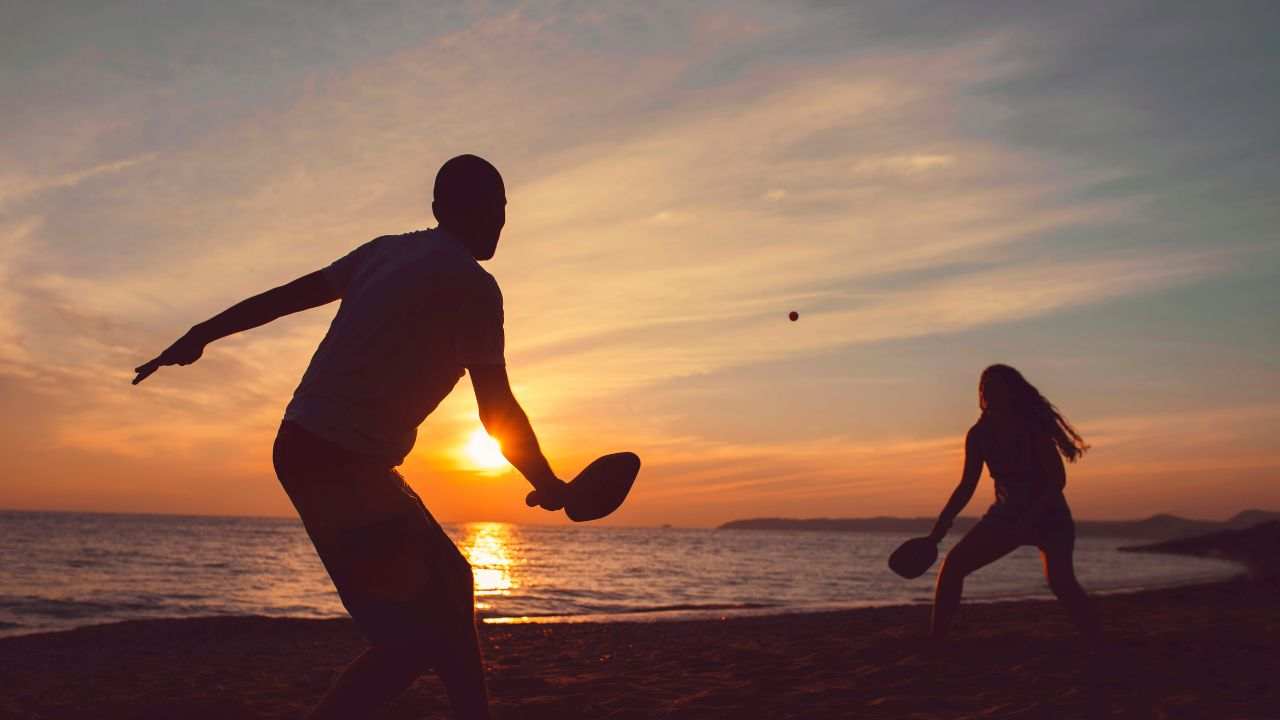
417, 312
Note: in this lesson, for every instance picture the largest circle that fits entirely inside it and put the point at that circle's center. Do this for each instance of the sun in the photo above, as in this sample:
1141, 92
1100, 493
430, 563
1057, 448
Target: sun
484, 452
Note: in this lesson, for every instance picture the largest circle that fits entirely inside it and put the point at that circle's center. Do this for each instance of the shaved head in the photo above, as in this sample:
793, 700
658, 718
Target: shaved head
470, 202
466, 178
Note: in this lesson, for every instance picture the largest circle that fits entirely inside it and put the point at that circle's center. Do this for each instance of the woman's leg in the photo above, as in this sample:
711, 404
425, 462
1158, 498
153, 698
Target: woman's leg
1059, 569
987, 542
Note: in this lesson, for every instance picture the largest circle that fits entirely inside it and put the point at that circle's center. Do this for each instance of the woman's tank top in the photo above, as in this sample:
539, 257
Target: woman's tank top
1023, 463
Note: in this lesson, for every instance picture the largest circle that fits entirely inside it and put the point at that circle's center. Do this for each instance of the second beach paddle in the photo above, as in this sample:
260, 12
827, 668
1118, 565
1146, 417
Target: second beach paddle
914, 557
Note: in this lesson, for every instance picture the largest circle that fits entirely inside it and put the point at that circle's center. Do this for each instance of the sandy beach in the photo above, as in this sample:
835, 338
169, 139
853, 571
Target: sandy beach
1194, 652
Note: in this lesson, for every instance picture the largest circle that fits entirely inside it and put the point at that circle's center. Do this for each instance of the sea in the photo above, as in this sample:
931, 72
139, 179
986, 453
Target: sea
60, 570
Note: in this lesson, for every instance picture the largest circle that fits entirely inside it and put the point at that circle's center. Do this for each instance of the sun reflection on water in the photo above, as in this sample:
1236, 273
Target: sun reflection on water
490, 550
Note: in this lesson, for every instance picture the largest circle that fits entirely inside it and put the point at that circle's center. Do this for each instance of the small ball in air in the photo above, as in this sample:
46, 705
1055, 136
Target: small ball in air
793, 315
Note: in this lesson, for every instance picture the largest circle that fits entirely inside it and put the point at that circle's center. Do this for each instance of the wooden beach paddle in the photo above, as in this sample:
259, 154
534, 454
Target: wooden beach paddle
914, 557
600, 488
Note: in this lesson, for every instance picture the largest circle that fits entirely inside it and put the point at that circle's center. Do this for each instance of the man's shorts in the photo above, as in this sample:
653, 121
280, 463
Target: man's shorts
396, 571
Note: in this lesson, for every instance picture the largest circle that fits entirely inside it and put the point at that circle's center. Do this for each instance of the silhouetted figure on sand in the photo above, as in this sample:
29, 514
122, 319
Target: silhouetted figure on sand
417, 311
1021, 438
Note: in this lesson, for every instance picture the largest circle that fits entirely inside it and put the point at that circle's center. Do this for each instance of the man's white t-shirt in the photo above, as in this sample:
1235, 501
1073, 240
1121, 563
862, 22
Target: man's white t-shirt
417, 309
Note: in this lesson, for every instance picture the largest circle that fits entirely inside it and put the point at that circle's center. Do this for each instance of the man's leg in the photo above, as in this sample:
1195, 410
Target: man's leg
983, 545
450, 603
406, 585
383, 672
442, 625
434, 627
459, 667
376, 677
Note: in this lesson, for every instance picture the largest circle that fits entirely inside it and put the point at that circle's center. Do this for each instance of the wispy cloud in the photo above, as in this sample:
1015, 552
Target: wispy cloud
16, 187
679, 180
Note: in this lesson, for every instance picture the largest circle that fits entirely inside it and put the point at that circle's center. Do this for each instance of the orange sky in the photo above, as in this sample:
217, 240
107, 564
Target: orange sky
932, 194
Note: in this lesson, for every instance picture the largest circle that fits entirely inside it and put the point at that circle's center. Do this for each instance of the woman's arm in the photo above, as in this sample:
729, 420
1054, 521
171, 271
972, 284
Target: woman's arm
963, 493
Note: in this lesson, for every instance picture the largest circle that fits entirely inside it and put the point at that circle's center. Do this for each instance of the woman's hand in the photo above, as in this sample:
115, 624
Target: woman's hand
940, 530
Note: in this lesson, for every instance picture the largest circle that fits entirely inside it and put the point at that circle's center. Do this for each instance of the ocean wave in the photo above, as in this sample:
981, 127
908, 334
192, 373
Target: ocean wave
55, 608
692, 607
638, 610
74, 609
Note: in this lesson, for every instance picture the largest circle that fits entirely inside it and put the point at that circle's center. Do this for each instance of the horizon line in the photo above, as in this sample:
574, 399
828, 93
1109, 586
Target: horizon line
294, 517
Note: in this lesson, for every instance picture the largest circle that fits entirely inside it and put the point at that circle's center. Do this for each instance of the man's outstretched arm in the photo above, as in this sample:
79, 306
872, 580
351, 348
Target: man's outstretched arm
505, 420
308, 291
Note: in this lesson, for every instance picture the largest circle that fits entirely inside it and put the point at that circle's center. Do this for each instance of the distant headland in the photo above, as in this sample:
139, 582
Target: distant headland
1257, 547
1156, 527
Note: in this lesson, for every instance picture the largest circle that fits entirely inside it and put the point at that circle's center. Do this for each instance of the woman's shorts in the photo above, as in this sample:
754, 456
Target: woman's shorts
1054, 527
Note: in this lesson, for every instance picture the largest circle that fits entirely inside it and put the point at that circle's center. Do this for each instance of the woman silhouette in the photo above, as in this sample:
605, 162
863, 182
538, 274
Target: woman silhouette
1022, 438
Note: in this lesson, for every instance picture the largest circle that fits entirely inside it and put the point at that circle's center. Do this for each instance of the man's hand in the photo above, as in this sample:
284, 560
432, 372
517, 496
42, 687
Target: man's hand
185, 351
310, 290
549, 497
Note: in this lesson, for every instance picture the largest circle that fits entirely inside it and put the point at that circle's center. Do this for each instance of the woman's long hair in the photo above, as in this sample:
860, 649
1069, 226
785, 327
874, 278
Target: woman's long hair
1026, 402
